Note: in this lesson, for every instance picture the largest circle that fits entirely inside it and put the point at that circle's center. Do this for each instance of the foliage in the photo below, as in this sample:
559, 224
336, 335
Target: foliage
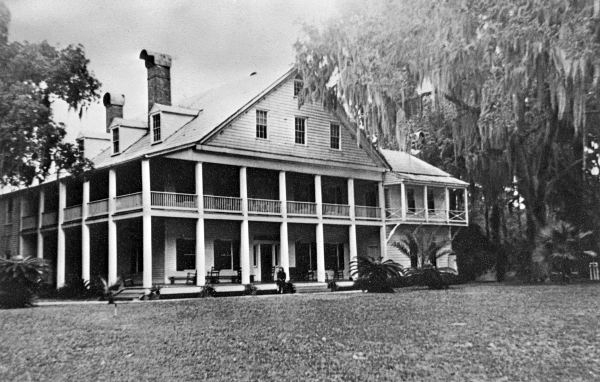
561, 244
110, 291
374, 275
76, 288
422, 248
20, 281
209, 291
426, 275
520, 77
32, 77
474, 255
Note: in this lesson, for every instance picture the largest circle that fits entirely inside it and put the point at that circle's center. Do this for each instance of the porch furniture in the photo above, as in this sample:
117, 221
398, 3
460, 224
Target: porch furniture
218, 276
190, 278
338, 274
212, 276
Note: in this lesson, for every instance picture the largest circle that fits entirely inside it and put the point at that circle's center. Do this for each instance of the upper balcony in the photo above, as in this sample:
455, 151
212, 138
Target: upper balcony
426, 204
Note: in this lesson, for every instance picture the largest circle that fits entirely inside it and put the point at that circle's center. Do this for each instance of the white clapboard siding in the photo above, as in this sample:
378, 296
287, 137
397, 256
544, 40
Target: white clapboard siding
282, 108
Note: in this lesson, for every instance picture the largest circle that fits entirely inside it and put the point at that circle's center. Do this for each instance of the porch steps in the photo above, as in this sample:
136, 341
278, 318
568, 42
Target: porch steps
130, 293
311, 287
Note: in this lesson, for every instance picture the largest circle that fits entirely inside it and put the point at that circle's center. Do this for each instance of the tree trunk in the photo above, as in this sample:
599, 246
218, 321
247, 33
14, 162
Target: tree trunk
495, 238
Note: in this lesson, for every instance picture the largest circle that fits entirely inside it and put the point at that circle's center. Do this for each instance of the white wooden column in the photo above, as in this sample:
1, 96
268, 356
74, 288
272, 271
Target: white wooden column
426, 203
146, 224
60, 243
319, 231
200, 249
85, 233
352, 249
382, 233
283, 229
244, 229
447, 203
40, 236
112, 227
466, 193
403, 201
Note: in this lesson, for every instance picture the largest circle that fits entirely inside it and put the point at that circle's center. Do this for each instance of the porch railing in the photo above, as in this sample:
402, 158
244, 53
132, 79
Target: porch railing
264, 206
98, 207
437, 214
29, 222
222, 203
301, 208
173, 200
129, 201
72, 213
49, 218
457, 216
336, 209
367, 212
393, 213
415, 214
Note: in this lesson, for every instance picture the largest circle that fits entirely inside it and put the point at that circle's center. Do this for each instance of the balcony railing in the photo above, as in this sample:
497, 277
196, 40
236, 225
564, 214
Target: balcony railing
29, 222
415, 214
264, 206
301, 208
72, 213
367, 212
336, 209
222, 203
173, 200
98, 207
457, 216
437, 215
433, 215
129, 201
49, 218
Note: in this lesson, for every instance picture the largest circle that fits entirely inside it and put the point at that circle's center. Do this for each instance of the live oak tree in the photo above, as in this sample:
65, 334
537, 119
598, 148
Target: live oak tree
521, 77
32, 77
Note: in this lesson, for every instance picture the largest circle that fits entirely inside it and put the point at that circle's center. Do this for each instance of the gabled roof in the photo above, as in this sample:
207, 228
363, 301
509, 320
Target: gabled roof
215, 107
408, 168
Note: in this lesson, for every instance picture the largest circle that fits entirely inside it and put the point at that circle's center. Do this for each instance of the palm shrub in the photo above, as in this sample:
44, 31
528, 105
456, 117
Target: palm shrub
374, 276
20, 281
560, 245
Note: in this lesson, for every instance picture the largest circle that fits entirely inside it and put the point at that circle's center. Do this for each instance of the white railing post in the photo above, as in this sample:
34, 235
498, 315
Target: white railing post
466, 194
85, 232
146, 224
447, 204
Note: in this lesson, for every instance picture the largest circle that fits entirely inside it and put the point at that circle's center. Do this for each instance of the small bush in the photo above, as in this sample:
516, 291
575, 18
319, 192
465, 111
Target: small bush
20, 281
76, 288
207, 291
373, 275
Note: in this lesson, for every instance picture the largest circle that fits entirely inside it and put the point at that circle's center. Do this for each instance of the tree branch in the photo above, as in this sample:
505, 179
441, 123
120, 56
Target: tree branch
463, 105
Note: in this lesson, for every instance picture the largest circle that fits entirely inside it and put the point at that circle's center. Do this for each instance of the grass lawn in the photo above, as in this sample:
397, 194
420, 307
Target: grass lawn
475, 332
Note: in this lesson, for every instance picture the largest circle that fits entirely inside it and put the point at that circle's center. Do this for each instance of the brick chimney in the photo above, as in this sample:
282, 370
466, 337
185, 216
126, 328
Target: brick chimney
114, 107
159, 77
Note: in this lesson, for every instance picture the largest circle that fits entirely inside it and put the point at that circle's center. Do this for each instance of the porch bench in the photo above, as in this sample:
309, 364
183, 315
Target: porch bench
190, 278
232, 276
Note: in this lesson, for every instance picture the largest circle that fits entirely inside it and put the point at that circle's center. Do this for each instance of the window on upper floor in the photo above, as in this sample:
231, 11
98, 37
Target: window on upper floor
9, 210
261, 124
300, 130
156, 137
298, 85
430, 201
115, 140
334, 136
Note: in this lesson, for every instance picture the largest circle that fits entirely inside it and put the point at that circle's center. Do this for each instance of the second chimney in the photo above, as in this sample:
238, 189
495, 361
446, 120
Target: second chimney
114, 107
159, 77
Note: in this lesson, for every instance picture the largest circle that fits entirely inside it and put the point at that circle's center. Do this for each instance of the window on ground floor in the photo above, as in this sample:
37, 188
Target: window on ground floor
186, 254
226, 254
334, 256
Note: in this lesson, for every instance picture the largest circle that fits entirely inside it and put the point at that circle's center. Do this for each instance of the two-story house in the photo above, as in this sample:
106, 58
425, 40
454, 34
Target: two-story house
237, 180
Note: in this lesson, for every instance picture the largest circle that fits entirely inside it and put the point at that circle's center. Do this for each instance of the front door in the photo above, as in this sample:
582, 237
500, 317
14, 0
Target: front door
266, 262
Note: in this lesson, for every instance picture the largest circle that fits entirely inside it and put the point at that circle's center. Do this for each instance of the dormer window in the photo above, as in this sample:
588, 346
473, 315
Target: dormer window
156, 137
115, 140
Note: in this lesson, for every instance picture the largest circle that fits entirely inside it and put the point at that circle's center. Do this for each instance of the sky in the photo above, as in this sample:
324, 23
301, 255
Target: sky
211, 42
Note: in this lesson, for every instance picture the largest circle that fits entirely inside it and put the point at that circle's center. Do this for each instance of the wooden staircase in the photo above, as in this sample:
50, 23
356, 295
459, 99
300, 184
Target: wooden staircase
130, 293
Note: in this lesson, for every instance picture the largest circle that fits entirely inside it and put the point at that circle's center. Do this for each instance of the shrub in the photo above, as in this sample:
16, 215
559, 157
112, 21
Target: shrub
20, 281
561, 245
76, 288
373, 275
208, 291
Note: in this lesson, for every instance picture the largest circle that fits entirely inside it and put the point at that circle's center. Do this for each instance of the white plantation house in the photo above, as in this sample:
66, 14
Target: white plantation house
227, 184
